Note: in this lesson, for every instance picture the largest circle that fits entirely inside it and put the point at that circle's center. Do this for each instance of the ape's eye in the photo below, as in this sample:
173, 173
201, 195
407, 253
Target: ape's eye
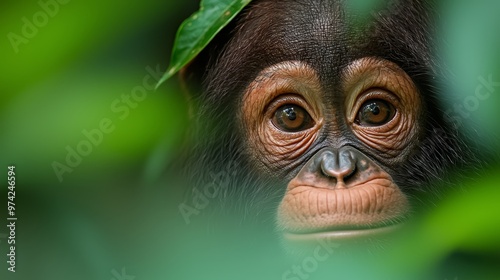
375, 112
292, 118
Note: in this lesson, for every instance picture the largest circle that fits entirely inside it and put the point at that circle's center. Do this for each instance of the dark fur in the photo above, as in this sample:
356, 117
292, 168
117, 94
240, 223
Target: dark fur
270, 31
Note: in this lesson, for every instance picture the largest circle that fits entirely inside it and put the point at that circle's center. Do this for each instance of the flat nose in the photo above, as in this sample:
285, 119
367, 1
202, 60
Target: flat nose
339, 164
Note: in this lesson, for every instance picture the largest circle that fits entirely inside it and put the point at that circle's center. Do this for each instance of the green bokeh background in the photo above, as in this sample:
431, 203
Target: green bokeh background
109, 213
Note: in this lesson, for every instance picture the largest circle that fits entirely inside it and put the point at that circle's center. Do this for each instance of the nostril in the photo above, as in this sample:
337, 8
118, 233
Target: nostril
345, 173
328, 164
349, 174
347, 164
338, 165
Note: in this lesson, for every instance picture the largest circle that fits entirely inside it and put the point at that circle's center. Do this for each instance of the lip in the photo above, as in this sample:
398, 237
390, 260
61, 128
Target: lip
343, 235
309, 210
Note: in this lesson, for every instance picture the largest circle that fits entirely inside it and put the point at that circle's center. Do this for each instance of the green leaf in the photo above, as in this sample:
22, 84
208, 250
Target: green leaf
196, 32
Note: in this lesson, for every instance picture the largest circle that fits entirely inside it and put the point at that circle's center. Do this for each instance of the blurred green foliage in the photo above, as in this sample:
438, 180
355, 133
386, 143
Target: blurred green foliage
66, 77
102, 217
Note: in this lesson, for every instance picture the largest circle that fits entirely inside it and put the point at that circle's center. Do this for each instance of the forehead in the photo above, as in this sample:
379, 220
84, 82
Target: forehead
321, 33
311, 31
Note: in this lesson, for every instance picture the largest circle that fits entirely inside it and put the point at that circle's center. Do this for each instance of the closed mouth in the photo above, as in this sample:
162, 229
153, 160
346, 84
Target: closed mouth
343, 234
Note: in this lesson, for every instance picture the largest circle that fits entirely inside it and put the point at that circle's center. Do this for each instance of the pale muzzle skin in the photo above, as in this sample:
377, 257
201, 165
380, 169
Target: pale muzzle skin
340, 194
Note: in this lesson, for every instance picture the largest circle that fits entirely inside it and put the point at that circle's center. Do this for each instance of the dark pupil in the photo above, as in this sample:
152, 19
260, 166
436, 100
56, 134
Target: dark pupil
374, 108
376, 112
291, 118
290, 113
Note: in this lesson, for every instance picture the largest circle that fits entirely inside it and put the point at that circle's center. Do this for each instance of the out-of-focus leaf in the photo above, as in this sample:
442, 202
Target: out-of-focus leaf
197, 31
464, 222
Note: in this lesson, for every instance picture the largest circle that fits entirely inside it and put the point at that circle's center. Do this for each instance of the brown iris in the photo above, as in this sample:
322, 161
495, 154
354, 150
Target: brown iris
375, 113
292, 118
